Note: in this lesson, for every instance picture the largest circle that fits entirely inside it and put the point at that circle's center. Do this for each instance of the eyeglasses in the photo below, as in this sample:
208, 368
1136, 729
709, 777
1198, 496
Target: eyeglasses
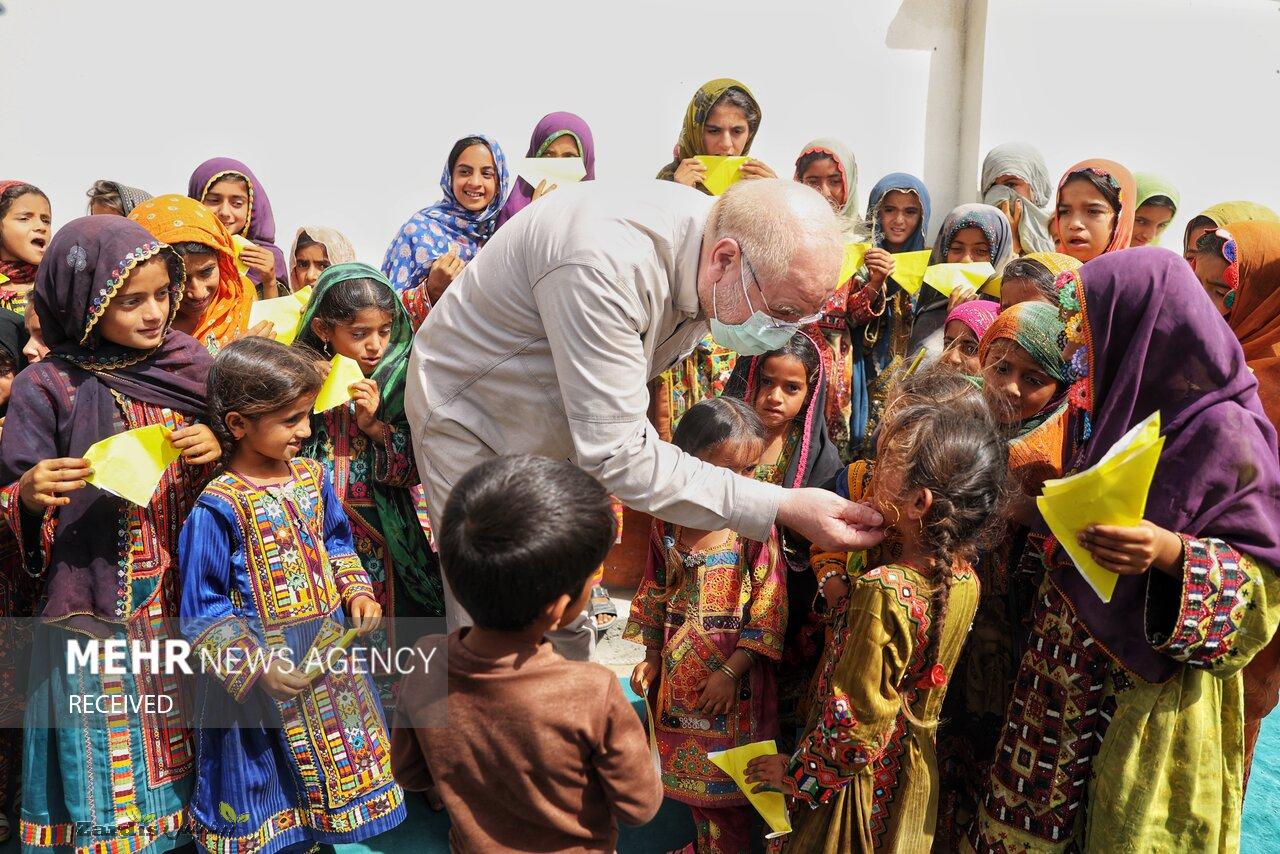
774, 322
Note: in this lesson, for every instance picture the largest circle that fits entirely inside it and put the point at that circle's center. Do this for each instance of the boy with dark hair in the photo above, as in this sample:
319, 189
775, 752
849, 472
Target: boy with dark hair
533, 753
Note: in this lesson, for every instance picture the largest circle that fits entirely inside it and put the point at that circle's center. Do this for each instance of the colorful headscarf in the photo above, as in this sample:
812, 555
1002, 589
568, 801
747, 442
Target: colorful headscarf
260, 227
695, 117
977, 314
428, 233
848, 166
1036, 328
1225, 212
179, 219
903, 183
548, 129
1055, 262
337, 248
130, 197
1254, 252
1152, 341
1024, 161
1120, 178
18, 272
990, 221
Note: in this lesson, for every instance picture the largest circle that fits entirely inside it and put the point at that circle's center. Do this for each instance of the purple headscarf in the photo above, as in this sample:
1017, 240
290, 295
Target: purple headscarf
550, 128
64, 403
1155, 342
261, 227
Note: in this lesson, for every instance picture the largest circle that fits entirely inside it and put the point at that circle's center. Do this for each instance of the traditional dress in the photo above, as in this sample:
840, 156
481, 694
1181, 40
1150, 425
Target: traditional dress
272, 568
15, 273
1119, 178
430, 232
1125, 728
1024, 161
730, 597
113, 779
260, 227
178, 219
1150, 185
337, 249
865, 772
548, 129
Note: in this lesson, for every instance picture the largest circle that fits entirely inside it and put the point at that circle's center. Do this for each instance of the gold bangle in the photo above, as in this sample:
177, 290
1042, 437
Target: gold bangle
729, 670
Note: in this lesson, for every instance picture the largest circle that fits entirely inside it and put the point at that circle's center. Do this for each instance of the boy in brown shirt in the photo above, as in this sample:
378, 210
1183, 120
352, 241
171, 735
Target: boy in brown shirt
528, 751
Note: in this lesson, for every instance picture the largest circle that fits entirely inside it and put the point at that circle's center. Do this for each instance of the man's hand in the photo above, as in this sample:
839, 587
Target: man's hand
829, 521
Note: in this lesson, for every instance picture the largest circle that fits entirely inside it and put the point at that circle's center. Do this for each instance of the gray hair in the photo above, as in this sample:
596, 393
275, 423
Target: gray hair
775, 222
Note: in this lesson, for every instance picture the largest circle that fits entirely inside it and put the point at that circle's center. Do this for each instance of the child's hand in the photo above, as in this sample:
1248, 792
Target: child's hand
44, 484
718, 692
261, 329
197, 443
1132, 551
366, 614
257, 258
445, 269
770, 772
961, 294
366, 397
643, 675
542, 189
282, 679
690, 172
880, 266
755, 169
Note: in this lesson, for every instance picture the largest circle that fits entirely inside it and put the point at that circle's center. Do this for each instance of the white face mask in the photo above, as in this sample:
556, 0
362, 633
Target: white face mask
755, 336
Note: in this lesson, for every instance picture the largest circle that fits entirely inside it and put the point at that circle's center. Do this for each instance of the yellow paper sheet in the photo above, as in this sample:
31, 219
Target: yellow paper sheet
337, 387
130, 464
908, 269
722, 172
319, 652
771, 805
553, 170
992, 286
945, 278
853, 255
284, 312
303, 296
241, 242
1113, 492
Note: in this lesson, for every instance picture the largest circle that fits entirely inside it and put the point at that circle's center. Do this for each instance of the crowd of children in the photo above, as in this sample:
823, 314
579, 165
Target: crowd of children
958, 687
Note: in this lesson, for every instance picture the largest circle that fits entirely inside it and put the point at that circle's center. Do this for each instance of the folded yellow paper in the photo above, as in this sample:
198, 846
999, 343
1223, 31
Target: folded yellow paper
722, 172
337, 386
130, 464
1113, 492
772, 806
318, 657
553, 170
908, 269
241, 242
283, 312
992, 286
853, 255
303, 296
945, 278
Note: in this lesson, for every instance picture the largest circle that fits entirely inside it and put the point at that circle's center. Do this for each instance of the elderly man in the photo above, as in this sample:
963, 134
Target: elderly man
547, 341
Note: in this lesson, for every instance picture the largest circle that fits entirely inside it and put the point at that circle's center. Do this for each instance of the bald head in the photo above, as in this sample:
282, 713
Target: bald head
792, 239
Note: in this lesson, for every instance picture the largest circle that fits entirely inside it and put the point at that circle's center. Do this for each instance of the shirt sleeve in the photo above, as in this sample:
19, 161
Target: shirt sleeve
623, 762
594, 325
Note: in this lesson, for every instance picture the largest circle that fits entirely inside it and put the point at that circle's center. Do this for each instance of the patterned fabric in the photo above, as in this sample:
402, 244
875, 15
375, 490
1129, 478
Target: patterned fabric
1122, 179
178, 219
977, 314
429, 232
260, 224
729, 598
1037, 329
702, 374
865, 768
130, 197
276, 568
695, 117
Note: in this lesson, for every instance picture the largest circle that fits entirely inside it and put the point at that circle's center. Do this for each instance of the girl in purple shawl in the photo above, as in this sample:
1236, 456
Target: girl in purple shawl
106, 294
1125, 728
555, 135
232, 191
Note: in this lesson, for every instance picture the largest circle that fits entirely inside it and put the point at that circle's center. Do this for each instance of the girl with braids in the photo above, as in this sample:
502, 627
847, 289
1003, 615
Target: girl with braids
865, 774
711, 613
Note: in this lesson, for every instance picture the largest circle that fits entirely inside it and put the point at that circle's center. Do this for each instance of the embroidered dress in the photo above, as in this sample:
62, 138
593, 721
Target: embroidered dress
865, 772
702, 374
15, 301
273, 569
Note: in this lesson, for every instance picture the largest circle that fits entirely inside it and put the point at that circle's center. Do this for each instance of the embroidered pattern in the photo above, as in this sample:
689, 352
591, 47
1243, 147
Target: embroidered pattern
1216, 592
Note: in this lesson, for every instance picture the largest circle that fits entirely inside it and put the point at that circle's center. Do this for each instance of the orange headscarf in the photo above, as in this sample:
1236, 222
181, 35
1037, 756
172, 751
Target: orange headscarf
178, 219
1123, 231
1255, 316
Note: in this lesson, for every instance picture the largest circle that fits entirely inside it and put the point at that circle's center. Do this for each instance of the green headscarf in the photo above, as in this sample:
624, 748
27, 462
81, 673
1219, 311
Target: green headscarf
1151, 185
1036, 328
695, 117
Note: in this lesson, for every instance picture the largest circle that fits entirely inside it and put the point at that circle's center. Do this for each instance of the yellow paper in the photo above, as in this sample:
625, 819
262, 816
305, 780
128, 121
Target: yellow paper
992, 286
945, 278
130, 464
303, 296
722, 172
771, 805
320, 652
553, 170
1113, 492
908, 269
337, 387
241, 242
853, 255
284, 312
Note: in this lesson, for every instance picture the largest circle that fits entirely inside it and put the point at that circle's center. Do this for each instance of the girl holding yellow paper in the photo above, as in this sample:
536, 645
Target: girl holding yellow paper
721, 120
228, 188
316, 249
1125, 727
555, 135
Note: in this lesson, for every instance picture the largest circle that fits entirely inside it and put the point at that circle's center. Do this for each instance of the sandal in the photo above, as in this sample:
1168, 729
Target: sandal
602, 604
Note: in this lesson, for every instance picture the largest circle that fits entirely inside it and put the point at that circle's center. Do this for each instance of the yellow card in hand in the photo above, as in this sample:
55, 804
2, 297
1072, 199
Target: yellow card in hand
553, 170
241, 242
1113, 492
130, 464
853, 255
722, 172
284, 313
771, 805
320, 650
303, 296
337, 386
945, 278
908, 269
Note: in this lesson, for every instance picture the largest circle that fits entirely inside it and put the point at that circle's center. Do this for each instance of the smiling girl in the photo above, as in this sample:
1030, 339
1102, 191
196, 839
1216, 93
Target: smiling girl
26, 224
1095, 209
237, 197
